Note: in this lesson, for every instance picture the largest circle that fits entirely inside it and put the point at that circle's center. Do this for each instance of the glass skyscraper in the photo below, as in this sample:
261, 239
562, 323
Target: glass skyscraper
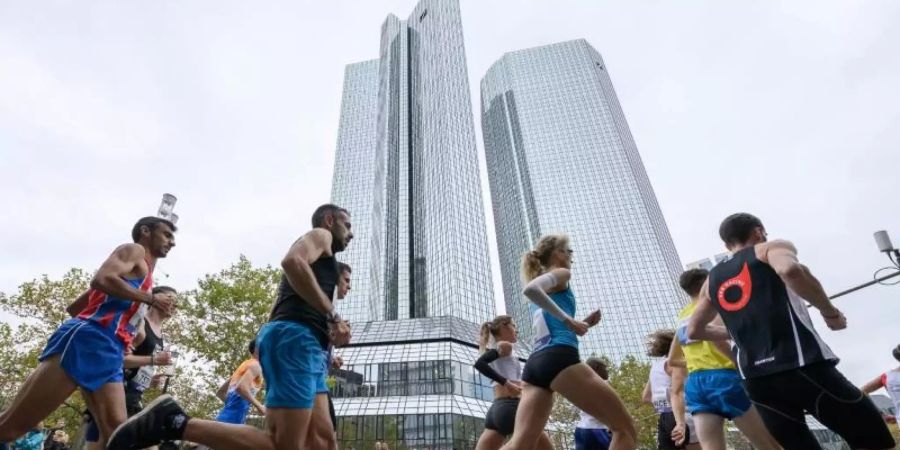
561, 159
406, 168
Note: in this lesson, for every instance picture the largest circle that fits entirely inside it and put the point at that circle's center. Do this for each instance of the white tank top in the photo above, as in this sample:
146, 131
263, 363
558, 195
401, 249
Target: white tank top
508, 367
660, 382
892, 386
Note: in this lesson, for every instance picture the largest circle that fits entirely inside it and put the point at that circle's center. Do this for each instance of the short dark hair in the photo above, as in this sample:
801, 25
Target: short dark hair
151, 223
692, 280
896, 353
599, 366
161, 289
736, 228
318, 217
344, 267
252, 346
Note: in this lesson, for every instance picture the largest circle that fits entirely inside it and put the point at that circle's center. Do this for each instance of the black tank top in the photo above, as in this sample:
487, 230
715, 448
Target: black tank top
147, 347
290, 306
769, 323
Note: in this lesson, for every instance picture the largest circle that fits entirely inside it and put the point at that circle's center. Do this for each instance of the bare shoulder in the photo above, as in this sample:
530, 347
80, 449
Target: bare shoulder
562, 275
762, 250
130, 252
504, 348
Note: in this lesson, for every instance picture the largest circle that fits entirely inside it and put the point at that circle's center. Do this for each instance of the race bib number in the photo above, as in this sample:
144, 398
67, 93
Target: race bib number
682, 333
142, 379
539, 330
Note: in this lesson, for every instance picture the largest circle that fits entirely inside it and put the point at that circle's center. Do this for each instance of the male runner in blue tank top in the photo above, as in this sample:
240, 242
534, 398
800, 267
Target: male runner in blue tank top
290, 346
788, 370
87, 351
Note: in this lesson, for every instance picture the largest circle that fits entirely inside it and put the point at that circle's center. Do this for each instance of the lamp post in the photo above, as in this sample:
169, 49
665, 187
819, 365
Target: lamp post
885, 246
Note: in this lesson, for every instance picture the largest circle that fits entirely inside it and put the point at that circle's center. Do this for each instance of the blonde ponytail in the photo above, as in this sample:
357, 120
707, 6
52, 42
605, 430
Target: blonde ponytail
491, 329
534, 261
484, 336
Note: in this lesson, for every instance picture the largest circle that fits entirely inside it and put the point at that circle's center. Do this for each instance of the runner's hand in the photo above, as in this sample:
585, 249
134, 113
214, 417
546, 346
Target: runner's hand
156, 380
579, 327
513, 387
337, 362
164, 301
678, 434
162, 358
340, 333
593, 318
835, 319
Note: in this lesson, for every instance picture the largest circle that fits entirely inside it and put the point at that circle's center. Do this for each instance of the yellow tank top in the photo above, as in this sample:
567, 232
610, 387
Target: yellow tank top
700, 355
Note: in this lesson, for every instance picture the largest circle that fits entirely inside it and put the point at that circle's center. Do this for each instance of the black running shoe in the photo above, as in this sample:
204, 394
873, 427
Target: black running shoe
161, 420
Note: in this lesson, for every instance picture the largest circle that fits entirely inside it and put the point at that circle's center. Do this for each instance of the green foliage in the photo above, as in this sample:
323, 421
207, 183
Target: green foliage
213, 326
628, 379
42, 303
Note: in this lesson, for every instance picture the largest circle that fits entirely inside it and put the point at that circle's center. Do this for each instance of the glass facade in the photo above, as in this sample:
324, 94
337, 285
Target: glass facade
561, 159
354, 159
407, 170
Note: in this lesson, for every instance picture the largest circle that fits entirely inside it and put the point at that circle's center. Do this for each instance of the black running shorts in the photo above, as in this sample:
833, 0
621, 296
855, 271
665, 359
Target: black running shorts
545, 364
783, 399
501, 417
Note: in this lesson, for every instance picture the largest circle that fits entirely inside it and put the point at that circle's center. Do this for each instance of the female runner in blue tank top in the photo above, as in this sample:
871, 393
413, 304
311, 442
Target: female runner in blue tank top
555, 365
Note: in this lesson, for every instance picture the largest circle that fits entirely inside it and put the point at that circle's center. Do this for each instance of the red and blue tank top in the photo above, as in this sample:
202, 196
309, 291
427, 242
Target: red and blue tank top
117, 315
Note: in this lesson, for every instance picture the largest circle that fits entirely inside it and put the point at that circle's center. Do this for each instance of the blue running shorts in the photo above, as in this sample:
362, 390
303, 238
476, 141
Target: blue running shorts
592, 439
90, 355
292, 363
716, 391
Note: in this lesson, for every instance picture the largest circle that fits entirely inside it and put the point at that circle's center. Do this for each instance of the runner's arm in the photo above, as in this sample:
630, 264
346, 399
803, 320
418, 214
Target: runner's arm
676, 394
647, 396
297, 265
782, 256
873, 385
482, 365
222, 393
700, 325
121, 263
79, 304
536, 291
243, 387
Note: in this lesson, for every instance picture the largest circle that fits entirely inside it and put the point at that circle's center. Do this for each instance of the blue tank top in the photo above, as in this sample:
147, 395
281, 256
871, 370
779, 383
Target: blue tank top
548, 331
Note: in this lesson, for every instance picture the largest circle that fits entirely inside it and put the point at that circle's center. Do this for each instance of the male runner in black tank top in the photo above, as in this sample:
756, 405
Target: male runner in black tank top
788, 370
290, 348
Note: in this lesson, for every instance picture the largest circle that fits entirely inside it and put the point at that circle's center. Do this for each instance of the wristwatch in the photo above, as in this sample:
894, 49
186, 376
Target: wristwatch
333, 317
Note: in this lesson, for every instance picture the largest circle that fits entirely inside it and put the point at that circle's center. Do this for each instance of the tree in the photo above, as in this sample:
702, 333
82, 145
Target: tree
213, 326
628, 379
42, 305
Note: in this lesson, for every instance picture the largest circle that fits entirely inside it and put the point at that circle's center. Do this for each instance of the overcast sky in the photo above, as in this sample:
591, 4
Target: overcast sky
789, 111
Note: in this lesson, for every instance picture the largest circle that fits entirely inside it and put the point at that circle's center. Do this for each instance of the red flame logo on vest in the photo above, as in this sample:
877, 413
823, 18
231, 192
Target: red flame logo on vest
742, 282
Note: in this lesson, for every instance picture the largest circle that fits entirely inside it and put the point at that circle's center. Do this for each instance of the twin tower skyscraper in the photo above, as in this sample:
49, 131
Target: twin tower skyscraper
560, 159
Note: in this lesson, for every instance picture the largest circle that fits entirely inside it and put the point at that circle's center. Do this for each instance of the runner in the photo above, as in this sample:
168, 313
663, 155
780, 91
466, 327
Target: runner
788, 370
290, 353
890, 381
140, 364
321, 433
591, 434
712, 392
499, 363
657, 392
240, 390
555, 365
87, 352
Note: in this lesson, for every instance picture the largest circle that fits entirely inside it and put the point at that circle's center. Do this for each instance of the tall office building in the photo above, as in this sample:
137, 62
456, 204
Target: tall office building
407, 170
561, 159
